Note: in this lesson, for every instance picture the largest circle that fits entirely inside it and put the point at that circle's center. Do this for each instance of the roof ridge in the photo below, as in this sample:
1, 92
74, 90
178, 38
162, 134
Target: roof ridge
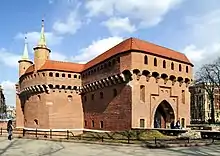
66, 62
159, 46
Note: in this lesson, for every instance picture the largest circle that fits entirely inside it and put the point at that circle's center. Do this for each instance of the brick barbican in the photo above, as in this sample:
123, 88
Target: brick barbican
135, 84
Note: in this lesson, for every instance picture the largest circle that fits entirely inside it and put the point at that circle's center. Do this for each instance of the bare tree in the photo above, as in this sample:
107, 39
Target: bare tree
206, 77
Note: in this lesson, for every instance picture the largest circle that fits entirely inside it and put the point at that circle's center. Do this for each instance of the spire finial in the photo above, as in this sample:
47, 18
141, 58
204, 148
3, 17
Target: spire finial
25, 53
42, 42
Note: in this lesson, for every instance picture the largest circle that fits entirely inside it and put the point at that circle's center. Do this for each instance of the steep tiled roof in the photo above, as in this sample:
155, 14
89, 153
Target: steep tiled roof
63, 66
131, 44
135, 44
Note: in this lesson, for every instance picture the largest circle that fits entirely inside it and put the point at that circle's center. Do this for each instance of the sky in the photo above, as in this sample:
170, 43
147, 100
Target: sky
79, 30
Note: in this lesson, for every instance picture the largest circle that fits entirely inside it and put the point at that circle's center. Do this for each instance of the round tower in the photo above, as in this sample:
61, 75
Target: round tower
24, 63
41, 52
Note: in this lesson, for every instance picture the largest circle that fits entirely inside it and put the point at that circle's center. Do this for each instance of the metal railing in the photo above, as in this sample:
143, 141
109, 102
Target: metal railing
106, 137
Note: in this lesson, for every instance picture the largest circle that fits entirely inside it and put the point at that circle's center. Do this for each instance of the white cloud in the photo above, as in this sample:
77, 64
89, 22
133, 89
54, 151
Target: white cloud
96, 48
34, 37
9, 92
70, 25
204, 29
194, 54
148, 12
204, 36
8, 58
206, 54
117, 25
58, 56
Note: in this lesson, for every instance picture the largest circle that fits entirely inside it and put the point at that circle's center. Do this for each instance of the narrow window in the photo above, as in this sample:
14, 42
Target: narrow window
172, 66
93, 96
187, 69
85, 99
183, 122
183, 96
70, 98
57, 74
145, 59
51, 74
115, 93
142, 93
155, 61
63, 75
69, 75
101, 95
142, 123
85, 123
93, 123
43, 74
180, 67
101, 124
164, 64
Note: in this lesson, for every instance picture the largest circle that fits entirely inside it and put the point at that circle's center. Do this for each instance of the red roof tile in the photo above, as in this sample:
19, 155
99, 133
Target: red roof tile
131, 44
63, 66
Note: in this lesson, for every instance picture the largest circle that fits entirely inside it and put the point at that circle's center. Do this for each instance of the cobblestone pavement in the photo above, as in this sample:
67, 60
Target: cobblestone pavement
23, 147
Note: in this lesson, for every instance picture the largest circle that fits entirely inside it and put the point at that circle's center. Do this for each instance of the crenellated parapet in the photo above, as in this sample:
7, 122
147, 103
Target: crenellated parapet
137, 74
128, 75
123, 77
35, 89
65, 87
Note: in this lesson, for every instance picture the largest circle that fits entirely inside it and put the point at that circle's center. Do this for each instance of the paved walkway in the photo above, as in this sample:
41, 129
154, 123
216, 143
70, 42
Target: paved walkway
26, 147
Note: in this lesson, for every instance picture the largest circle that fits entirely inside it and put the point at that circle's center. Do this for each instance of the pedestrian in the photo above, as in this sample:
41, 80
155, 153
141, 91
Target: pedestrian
9, 129
172, 125
178, 124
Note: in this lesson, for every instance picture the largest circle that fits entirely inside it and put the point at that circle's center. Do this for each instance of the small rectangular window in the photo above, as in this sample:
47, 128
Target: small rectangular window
142, 123
93, 123
183, 96
142, 93
101, 124
85, 123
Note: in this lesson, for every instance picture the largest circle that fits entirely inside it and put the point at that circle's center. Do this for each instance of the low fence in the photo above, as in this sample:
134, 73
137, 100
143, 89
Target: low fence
103, 137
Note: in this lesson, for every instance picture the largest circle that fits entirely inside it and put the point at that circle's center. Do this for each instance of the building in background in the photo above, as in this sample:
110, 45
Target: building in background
11, 112
2, 104
135, 84
200, 106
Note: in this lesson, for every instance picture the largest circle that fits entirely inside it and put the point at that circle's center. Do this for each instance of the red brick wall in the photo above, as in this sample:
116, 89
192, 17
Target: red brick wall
101, 73
64, 114
115, 112
35, 108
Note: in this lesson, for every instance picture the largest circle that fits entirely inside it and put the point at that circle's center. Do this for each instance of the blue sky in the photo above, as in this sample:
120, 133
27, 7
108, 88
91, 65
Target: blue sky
80, 30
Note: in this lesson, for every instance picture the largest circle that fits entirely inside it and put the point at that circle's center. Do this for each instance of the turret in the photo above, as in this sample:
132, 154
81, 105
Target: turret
24, 63
41, 52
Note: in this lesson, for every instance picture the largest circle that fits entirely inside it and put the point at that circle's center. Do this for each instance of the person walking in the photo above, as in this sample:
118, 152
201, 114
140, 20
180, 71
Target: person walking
9, 129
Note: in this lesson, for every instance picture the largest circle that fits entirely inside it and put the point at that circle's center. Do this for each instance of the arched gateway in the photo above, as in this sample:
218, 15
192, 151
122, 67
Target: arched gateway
164, 115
